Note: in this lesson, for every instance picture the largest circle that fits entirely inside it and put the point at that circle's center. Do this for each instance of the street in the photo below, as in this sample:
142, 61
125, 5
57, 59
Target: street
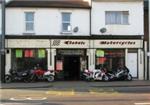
77, 95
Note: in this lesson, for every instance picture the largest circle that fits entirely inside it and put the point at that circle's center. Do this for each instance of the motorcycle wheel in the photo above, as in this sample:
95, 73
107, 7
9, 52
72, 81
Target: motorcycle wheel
105, 78
32, 78
89, 79
8, 79
129, 77
27, 80
50, 78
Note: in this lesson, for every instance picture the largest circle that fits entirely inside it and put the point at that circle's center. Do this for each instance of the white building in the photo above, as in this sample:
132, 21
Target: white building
116, 22
126, 10
35, 28
69, 37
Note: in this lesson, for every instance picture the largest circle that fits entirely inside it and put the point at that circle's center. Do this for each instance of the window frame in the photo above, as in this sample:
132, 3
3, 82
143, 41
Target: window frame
29, 22
121, 22
66, 22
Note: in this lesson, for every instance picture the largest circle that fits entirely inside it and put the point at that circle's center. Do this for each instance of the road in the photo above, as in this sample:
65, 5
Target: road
77, 96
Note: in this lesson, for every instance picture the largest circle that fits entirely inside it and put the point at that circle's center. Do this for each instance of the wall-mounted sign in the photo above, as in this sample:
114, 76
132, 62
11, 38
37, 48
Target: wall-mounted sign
118, 44
62, 43
71, 52
74, 42
27, 43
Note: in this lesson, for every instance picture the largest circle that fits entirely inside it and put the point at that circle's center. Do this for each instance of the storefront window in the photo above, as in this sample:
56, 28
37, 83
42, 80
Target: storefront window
110, 59
26, 59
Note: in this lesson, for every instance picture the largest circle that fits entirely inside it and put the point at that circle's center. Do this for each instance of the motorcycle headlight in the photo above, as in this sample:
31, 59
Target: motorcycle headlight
24, 74
86, 71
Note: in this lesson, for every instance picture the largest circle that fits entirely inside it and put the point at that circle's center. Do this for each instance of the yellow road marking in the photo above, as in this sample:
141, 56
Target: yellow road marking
39, 98
54, 92
142, 103
102, 91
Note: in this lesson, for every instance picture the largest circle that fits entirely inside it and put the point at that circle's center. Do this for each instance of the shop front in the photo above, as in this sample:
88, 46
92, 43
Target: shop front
110, 58
70, 59
28, 59
112, 54
26, 54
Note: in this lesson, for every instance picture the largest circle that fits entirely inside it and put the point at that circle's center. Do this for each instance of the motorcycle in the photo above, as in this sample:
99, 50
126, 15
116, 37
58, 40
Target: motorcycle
96, 74
40, 74
15, 76
120, 74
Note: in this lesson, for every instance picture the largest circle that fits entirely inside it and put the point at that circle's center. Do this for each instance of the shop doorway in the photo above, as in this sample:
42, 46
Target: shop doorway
70, 63
132, 64
71, 67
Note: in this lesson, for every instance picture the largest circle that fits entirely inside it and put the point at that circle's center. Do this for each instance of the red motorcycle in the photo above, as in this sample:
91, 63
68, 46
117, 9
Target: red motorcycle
40, 74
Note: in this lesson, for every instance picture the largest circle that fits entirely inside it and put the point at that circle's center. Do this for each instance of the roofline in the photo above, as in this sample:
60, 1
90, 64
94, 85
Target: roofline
118, 0
46, 7
10, 4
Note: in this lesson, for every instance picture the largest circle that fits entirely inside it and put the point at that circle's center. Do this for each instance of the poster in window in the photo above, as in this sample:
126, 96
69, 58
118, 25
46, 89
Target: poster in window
59, 65
102, 60
28, 53
41, 53
18, 53
100, 53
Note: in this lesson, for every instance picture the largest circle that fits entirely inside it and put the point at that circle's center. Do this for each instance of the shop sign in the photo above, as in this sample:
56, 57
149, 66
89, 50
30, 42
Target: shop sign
118, 43
60, 43
74, 42
27, 43
71, 52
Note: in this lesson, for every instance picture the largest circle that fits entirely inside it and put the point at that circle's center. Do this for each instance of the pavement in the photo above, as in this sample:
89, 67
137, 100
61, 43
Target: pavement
75, 84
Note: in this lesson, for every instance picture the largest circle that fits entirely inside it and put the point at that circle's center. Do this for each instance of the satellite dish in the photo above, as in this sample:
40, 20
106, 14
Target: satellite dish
76, 29
103, 30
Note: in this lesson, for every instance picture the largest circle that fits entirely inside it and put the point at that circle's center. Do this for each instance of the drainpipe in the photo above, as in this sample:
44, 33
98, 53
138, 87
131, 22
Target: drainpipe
149, 42
90, 18
145, 60
2, 51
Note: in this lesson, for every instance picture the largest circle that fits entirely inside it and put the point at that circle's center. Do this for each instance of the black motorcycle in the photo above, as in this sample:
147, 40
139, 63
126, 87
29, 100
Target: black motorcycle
16, 76
120, 74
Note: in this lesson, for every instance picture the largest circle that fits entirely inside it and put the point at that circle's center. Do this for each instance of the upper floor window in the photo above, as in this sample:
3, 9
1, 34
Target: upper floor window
29, 21
66, 25
117, 17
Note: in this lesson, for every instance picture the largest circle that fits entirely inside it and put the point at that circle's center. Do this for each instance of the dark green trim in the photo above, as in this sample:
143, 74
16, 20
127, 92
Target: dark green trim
74, 37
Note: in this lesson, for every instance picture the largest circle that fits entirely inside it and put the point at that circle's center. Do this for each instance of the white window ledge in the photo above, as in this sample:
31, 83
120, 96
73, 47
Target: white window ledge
65, 32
